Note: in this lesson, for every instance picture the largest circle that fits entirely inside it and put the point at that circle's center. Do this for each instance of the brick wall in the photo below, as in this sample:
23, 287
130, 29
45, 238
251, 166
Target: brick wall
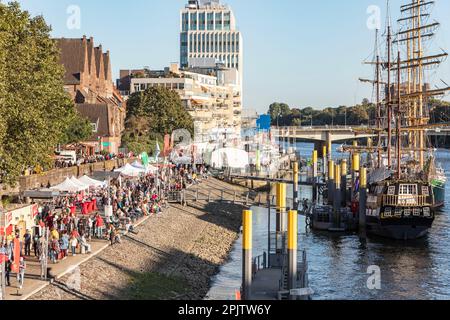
57, 176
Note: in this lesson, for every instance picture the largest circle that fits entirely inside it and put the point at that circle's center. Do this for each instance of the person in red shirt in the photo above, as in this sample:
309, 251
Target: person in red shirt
99, 224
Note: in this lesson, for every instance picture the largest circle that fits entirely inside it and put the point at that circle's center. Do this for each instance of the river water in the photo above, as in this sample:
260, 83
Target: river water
338, 264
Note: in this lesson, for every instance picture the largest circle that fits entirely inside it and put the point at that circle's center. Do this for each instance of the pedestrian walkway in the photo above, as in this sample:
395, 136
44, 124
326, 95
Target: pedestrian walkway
33, 282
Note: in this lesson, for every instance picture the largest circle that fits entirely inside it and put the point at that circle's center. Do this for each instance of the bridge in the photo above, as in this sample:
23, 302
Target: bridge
326, 135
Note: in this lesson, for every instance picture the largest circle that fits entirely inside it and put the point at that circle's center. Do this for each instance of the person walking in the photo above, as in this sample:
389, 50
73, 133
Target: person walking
21, 273
73, 245
64, 246
99, 225
27, 239
36, 245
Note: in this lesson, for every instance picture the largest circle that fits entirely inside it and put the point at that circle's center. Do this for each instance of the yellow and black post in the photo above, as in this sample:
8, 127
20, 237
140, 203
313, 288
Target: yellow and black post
344, 173
355, 172
324, 161
247, 245
337, 196
314, 167
281, 217
362, 198
292, 249
330, 182
295, 189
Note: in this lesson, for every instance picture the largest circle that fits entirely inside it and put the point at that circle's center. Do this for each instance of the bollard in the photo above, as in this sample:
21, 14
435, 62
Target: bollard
355, 172
314, 164
330, 182
337, 196
280, 217
247, 276
362, 198
324, 160
292, 249
295, 188
344, 173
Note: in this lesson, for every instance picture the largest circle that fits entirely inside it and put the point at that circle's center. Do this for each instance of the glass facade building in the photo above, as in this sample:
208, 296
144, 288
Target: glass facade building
209, 31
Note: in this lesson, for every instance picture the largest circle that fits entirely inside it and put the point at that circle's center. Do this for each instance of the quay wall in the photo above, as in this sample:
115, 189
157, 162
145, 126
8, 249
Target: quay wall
57, 176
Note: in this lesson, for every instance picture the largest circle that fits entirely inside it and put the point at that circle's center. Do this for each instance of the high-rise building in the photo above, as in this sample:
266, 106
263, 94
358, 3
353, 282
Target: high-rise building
210, 43
209, 33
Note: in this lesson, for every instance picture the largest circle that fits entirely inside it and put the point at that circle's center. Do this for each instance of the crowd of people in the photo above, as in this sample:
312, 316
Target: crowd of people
88, 159
68, 230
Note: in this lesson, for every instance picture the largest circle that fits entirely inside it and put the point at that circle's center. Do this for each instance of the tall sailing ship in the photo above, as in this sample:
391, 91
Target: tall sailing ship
405, 185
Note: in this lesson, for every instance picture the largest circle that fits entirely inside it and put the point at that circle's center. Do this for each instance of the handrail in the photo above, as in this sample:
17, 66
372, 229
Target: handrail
406, 200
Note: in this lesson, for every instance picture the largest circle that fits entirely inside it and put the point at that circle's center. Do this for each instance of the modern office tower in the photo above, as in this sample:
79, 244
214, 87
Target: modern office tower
211, 44
208, 32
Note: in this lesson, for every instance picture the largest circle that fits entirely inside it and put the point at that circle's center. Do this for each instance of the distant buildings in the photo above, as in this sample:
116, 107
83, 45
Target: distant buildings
88, 80
214, 106
209, 79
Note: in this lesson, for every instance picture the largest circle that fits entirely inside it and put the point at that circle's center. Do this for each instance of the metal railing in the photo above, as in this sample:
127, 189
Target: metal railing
259, 263
406, 200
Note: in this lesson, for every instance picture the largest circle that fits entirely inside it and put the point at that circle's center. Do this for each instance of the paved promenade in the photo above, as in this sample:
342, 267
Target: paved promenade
33, 282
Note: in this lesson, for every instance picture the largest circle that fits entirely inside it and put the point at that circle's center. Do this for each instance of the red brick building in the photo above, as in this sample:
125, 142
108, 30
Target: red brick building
88, 80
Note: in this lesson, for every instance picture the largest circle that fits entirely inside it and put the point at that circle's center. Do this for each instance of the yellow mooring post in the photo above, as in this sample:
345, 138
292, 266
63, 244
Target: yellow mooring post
280, 217
292, 249
324, 160
295, 181
247, 245
355, 171
362, 198
314, 164
344, 173
337, 196
330, 182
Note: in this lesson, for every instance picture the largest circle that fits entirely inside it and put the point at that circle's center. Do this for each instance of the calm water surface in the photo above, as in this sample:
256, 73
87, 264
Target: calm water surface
338, 263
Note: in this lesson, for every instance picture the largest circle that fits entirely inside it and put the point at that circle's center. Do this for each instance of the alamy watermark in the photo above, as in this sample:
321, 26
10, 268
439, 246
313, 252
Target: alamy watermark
374, 280
374, 19
74, 19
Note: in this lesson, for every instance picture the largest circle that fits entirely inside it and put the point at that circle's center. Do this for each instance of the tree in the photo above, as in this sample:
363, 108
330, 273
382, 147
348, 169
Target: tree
34, 108
151, 114
79, 129
278, 111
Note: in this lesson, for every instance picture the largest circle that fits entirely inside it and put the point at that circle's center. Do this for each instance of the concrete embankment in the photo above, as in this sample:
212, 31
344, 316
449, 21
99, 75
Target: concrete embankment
173, 256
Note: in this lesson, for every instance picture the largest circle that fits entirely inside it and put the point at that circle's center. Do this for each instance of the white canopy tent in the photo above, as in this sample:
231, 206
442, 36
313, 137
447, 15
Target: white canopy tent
140, 166
92, 182
79, 183
229, 158
68, 186
130, 171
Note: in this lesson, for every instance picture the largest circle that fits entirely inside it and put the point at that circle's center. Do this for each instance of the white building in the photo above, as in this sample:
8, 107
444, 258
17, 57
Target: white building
208, 32
212, 105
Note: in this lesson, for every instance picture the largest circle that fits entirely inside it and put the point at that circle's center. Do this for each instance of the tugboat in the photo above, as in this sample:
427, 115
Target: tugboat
404, 186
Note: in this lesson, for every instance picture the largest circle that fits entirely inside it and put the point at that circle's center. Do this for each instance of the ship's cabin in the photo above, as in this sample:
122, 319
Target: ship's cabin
403, 193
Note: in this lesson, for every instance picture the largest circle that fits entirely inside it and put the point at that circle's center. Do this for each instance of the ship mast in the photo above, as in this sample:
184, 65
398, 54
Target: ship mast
389, 105
414, 32
399, 110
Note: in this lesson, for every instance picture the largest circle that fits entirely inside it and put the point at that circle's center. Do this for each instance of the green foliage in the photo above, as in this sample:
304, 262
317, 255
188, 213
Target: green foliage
355, 115
279, 112
79, 129
35, 110
151, 114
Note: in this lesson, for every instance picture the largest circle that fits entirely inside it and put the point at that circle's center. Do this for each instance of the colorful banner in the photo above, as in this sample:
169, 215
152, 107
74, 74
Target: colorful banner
16, 262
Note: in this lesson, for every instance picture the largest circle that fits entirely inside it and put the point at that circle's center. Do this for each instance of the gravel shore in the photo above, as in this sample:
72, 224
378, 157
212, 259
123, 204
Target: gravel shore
173, 256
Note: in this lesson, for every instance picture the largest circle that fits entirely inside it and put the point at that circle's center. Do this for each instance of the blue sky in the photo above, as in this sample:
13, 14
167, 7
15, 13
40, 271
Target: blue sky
304, 53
